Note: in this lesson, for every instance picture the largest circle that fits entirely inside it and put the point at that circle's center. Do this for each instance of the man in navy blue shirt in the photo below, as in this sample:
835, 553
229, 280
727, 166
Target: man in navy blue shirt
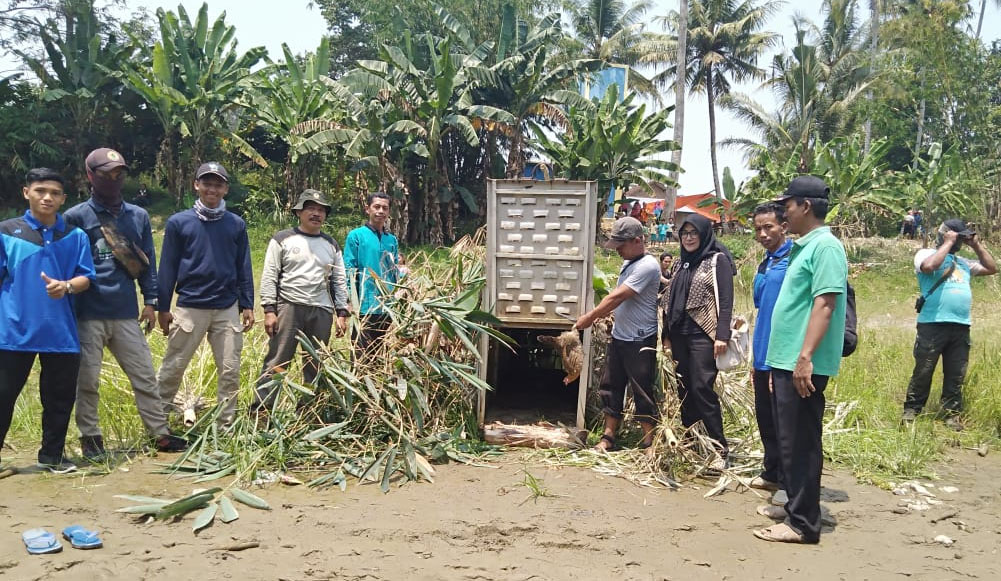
205, 259
121, 241
43, 263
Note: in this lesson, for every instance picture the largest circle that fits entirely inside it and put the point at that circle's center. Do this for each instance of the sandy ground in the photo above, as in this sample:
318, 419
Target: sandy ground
475, 523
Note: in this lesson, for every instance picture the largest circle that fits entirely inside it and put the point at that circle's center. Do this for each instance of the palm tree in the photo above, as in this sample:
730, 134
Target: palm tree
980, 18
724, 43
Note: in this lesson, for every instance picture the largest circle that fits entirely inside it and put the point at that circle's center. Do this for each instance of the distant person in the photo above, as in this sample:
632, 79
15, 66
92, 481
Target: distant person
666, 259
661, 232
804, 351
303, 290
142, 196
919, 229
205, 260
770, 230
907, 226
121, 243
631, 358
944, 318
371, 255
44, 262
697, 326
670, 229
624, 209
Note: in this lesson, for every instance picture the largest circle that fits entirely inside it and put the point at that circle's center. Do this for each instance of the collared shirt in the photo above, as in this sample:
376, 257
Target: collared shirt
369, 256
767, 283
636, 317
32, 321
817, 266
113, 296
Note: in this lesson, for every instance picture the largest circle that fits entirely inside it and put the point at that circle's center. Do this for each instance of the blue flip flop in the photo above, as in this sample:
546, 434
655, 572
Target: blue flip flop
81, 538
41, 542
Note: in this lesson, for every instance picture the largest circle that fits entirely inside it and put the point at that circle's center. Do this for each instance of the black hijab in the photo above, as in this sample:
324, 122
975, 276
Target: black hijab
681, 281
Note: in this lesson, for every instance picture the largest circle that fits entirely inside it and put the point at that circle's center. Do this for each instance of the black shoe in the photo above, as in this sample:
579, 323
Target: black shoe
56, 465
170, 443
92, 448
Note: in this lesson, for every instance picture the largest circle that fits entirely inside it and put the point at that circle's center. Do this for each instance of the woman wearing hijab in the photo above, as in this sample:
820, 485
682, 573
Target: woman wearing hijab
696, 329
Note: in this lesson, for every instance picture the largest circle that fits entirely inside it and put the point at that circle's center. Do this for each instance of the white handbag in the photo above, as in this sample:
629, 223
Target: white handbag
738, 347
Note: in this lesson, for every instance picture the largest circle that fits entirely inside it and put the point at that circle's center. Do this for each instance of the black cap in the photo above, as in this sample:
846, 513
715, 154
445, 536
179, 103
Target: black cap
805, 187
214, 168
957, 226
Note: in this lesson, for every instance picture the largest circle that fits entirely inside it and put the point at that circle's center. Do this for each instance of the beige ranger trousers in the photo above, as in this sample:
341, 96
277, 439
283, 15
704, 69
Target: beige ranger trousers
225, 336
126, 342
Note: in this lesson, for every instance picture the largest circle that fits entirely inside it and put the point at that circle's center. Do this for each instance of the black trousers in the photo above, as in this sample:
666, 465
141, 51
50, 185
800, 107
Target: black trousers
951, 342
57, 390
765, 412
315, 323
695, 366
373, 327
800, 424
627, 363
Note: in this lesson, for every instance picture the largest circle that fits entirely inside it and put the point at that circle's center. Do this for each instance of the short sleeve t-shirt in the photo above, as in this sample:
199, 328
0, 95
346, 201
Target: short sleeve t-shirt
636, 317
817, 266
950, 303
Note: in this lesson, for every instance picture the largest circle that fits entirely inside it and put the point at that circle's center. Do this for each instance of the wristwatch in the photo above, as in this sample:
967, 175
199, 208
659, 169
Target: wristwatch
69, 288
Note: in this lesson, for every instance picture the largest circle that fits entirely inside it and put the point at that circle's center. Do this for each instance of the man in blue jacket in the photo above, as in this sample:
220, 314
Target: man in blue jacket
44, 262
371, 254
205, 259
121, 243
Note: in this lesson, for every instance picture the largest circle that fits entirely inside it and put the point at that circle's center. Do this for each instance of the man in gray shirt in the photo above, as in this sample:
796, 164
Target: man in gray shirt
302, 287
632, 353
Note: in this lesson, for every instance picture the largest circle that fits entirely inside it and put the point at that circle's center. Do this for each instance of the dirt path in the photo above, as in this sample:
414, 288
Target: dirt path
475, 523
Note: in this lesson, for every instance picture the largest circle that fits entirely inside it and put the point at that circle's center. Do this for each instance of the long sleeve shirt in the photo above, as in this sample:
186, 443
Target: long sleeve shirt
113, 294
304, 269
370, 256
206, 262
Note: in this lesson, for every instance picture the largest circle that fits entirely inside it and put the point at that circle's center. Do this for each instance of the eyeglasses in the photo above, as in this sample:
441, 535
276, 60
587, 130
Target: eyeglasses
689, 234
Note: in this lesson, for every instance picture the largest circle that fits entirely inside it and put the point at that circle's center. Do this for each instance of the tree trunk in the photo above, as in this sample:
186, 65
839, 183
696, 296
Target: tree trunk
671, 192
873, 48
980, 20
516, 158
712, 133
921, 126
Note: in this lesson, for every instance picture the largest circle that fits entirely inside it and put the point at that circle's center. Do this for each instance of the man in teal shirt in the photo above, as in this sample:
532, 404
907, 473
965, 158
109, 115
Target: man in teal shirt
804, 352
371, 254
944, 318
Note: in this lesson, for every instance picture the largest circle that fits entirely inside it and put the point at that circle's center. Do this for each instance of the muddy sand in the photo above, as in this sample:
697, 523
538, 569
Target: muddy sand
480, 523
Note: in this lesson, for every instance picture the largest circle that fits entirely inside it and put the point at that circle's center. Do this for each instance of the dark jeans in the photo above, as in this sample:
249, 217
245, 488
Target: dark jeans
315, 323
373, 328
765, 412
695, 366
800, 425
56, 388
951, 341
627, 363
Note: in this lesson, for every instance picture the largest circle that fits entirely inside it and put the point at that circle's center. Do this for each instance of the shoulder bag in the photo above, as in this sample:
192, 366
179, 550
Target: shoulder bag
920, 303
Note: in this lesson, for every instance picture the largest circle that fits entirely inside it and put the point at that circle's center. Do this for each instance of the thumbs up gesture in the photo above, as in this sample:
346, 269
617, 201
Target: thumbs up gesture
56, 289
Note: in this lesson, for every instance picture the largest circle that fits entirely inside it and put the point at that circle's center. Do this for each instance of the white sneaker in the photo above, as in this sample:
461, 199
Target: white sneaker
780, 498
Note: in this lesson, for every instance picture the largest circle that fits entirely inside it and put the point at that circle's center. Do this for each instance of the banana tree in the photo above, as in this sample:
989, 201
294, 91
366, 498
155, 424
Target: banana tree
75, 73
193, 81
432, 90
614, 143
857, 181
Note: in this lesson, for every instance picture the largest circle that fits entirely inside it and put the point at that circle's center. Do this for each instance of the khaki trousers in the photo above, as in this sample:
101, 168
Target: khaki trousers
127, 344
225, 335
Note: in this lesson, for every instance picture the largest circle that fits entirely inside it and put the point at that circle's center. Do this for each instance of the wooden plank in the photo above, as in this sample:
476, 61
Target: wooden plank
541, 436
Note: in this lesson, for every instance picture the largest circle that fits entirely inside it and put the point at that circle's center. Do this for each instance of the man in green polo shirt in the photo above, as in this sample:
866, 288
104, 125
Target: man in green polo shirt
804, 352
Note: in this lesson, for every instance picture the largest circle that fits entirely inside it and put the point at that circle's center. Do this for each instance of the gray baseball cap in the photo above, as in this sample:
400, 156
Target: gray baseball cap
624, 230
314, 196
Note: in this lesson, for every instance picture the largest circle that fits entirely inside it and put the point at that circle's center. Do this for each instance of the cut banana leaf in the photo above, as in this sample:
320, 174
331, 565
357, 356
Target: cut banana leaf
141, 509
146, 499
249, 499
229, 513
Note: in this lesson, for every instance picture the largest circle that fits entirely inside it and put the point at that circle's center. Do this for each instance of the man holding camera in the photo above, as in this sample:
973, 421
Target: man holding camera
944, 318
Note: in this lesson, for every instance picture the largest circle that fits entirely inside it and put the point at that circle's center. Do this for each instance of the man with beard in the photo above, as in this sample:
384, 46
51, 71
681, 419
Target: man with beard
121, 243
302, 287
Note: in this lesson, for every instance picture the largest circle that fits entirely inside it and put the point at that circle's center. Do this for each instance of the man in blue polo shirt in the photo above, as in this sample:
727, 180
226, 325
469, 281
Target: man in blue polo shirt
371, 254
43, 263
205, 259
121, 241
770, 230
804, 352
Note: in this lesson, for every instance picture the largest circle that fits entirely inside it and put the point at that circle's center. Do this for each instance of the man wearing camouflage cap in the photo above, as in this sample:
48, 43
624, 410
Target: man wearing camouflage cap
302, 286
121, 242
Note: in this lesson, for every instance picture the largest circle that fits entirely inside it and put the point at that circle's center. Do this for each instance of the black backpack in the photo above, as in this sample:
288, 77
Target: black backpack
851, 324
